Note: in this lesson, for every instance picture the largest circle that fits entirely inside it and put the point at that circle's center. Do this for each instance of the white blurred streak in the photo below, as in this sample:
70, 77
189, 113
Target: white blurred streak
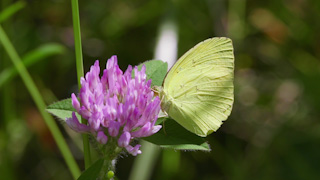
166, 48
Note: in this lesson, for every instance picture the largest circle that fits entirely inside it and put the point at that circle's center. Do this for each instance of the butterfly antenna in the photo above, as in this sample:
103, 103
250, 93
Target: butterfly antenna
156, 91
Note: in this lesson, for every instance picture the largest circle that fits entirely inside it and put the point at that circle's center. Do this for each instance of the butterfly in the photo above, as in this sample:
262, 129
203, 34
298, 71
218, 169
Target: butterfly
198, 91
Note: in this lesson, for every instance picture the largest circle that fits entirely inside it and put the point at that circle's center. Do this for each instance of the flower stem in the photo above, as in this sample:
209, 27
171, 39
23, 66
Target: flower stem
62, 145
109, 154
107, 166
79, 64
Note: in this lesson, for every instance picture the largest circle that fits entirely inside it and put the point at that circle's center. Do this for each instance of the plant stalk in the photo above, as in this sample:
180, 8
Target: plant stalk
80, 73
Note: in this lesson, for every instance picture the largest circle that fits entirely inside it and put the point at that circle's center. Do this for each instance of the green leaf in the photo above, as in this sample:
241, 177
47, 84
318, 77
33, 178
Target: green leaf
174, 136
93, 171
11, 10
62, 109
31, 58
155, 70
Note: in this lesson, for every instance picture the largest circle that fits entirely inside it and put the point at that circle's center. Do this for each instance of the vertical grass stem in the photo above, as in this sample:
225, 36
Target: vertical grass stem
79, 64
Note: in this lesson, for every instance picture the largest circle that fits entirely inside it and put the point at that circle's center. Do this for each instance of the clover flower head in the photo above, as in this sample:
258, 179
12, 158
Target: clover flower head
116, 105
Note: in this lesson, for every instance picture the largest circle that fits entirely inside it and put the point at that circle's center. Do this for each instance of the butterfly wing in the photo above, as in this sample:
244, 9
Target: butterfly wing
199, 87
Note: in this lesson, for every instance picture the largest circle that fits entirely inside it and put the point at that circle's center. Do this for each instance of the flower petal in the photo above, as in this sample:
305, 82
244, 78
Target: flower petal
124, 139
134, 150
74, 124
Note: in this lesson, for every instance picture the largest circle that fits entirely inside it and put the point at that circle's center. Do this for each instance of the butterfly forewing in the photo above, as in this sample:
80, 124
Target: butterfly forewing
200, 86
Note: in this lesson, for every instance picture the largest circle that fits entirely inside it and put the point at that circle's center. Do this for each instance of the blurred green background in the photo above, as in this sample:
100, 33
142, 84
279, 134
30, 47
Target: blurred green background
273, 131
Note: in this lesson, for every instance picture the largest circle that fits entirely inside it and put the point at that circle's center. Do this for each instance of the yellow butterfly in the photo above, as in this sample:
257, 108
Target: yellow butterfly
198, 90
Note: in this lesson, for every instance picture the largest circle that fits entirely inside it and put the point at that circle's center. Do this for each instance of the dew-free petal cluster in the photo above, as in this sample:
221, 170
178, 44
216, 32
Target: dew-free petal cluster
117, 105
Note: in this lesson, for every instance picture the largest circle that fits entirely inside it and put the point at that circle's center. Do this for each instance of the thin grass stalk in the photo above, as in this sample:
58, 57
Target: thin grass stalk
79, 64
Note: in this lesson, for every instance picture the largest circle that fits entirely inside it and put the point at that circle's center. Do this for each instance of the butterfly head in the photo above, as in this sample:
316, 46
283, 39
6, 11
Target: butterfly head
165, 100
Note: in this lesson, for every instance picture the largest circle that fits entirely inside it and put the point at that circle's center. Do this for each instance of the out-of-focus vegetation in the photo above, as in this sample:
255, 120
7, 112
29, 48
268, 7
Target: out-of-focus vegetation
274, 129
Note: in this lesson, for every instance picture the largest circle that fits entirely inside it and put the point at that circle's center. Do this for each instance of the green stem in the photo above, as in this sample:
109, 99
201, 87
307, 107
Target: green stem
109, 153
62, 145
79, 64
107, 166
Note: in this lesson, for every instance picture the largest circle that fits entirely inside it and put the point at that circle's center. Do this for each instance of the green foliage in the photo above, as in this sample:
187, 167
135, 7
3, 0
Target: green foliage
62, 109
155, 70
93, 171
174, 136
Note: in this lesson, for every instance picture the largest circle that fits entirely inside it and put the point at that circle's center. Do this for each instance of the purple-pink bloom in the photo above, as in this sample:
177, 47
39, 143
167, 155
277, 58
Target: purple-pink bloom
114, 127
124, 139
74, 124
134, 150
102, 138
116, 105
